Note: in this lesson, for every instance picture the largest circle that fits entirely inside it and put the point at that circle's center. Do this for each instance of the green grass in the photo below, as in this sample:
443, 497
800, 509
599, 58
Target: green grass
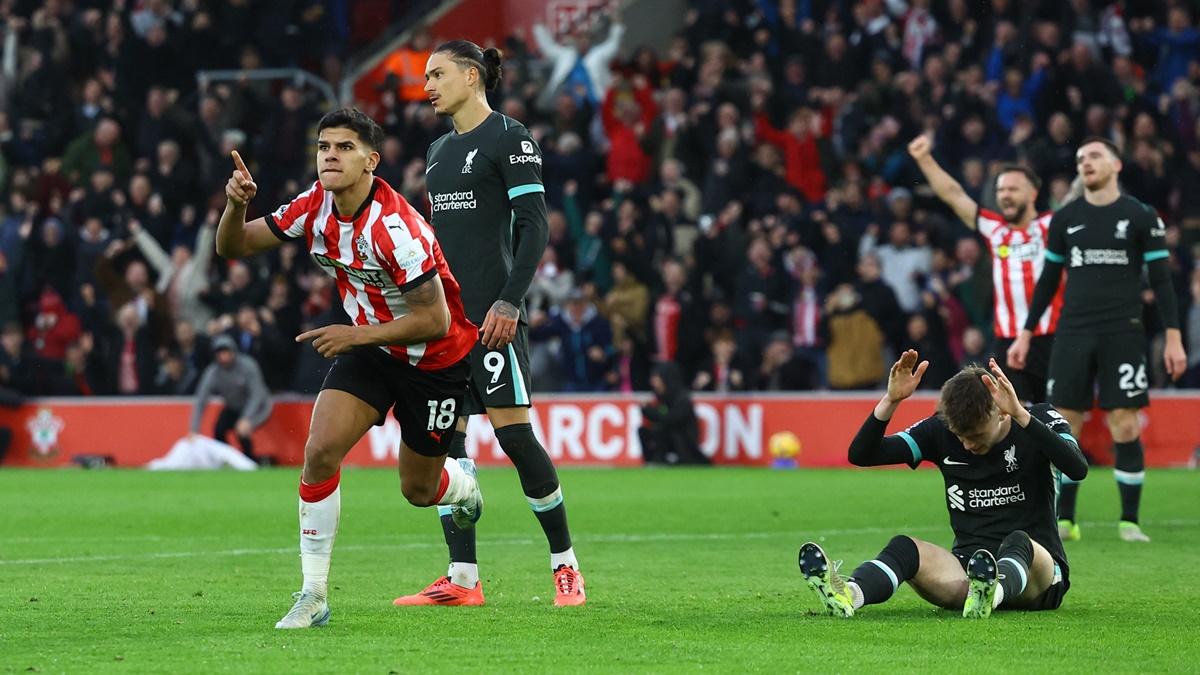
126, 571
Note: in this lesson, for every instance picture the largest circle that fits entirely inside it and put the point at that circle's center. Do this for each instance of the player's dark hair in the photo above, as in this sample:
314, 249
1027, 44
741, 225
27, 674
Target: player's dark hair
358, 122
467, 54
1112, 147
1013, 167
965, 403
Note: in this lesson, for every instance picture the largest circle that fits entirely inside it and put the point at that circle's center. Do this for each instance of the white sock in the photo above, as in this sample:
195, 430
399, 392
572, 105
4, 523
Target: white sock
318, 527
567, 558
459, 485
856, 595
998, 597
463, 574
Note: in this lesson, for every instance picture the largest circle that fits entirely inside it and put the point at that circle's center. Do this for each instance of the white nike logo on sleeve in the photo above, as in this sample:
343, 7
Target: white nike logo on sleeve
430, 168
949, 462
1070, 230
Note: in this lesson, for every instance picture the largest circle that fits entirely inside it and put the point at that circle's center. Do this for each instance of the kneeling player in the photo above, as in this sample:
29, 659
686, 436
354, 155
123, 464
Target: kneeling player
996, 458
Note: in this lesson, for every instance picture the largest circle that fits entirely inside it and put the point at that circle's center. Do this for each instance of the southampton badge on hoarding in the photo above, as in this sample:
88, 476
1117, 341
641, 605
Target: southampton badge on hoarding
44, 428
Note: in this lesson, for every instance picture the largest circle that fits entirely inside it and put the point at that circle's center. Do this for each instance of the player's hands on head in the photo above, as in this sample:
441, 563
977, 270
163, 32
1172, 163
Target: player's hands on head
903, 378
329, 341
241, 187
1004, 394
500, 325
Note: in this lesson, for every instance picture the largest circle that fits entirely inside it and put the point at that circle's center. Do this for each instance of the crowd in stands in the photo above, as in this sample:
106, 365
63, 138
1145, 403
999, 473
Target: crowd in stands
739, 202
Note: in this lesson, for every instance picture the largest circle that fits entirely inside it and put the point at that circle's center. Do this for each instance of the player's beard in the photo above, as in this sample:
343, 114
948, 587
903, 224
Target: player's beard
1018, 216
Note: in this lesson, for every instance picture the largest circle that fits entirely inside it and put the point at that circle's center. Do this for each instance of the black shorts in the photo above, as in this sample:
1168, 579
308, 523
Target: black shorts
1051, 598
1113, 363
1030, 383
426, 403
499, 377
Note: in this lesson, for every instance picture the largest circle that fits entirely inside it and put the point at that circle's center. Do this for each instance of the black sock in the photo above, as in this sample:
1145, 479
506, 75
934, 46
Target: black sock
539, 481
1068, 493
896, 563
1130, 471
1013, 560
460, 542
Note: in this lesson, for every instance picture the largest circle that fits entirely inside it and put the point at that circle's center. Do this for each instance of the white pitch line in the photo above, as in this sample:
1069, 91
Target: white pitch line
654, 537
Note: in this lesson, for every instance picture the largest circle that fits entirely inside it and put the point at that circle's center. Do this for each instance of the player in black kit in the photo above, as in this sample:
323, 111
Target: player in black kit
1000, 463
1103, 241
489, 212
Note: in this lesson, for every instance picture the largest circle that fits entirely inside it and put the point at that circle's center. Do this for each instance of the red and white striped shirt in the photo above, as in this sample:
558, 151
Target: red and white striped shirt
376, 255
1018, 256
806, 318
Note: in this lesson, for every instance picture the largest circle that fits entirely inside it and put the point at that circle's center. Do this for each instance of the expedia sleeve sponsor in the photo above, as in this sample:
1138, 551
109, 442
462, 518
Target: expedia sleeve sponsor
520, 158
454, 201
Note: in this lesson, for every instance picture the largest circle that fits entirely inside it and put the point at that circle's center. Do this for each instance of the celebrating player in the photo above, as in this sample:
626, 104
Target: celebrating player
995, 457
485, 185
1017, 238
1103, 240
407, 348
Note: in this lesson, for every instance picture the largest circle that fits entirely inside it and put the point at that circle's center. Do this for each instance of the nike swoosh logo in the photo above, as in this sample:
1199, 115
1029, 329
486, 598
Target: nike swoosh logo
1132, 394
430, 168
1073, 230
495, 388
949, 462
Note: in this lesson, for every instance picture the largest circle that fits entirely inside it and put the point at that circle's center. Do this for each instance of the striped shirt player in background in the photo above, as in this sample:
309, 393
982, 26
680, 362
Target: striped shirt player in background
406, 349
489, 210
1017, 239
1102, 242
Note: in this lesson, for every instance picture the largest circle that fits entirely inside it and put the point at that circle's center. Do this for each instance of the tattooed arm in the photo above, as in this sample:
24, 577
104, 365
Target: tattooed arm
428, 319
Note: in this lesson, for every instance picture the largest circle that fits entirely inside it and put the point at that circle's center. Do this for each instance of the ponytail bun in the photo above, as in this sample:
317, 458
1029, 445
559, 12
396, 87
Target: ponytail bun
492, 68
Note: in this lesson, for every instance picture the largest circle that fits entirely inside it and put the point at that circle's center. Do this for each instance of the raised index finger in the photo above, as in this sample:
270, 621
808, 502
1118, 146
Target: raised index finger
241, 166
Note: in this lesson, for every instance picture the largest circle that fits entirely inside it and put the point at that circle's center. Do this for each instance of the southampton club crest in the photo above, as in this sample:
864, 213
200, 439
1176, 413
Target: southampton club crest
361, 247
44, 428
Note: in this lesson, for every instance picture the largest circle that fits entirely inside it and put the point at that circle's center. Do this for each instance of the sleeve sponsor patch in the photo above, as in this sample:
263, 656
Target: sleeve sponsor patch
410, 258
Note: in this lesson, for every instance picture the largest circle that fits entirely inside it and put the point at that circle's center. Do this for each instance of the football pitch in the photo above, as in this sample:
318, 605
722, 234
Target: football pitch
130, 571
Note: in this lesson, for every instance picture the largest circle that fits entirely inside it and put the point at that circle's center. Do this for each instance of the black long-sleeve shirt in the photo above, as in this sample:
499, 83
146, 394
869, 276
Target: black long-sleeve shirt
1103, 249
1010, 487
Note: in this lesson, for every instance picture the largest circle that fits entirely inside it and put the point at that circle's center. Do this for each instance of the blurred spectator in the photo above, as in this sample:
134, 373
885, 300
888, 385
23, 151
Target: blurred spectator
584, 342
782, 369
578, 67
95, 149
670, 433
724, 372
628, 299
182, 278
1177, 44
237, 379
19, 369
627, 115
130, 353
855, 341
80, 372
904, 263
54, 327
132, 289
